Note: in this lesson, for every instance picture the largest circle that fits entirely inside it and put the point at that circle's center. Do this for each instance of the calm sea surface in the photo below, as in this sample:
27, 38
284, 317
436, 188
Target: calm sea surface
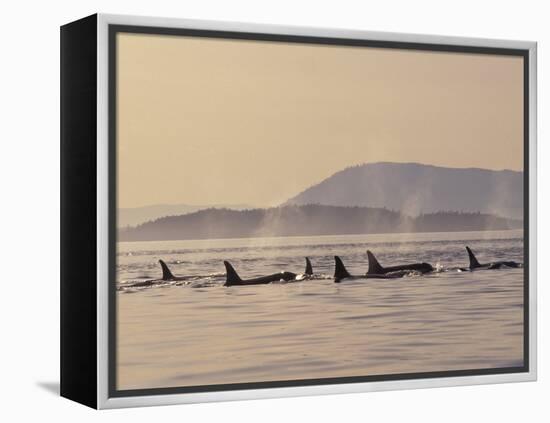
198, 332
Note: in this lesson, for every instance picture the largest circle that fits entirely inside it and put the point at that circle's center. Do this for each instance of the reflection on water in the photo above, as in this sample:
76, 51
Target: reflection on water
199, 332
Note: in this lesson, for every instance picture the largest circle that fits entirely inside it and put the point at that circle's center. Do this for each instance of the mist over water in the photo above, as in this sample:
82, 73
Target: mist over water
198, 332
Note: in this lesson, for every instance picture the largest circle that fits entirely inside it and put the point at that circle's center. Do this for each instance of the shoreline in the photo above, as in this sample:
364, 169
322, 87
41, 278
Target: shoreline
275, 237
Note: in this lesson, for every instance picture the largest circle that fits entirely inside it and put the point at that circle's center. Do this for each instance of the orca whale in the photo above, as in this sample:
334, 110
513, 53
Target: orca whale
232, 277
376, 268
476, 265
341, 273
167, 276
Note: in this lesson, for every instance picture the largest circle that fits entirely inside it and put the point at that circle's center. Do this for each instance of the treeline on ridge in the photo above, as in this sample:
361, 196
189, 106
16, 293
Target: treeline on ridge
307, 220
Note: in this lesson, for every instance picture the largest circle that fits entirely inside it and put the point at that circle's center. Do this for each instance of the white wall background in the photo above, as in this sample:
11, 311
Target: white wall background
29, 231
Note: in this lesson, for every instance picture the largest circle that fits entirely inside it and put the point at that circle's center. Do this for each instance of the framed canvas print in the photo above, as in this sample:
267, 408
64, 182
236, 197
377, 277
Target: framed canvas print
253, 211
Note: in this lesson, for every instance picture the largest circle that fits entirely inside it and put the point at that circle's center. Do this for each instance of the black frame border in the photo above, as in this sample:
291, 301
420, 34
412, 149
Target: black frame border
78, 211
114, 29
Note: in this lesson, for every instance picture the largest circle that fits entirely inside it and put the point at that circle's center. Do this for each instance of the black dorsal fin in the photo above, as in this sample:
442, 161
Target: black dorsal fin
309, 267
375, 268
473, 260
340, 271
232, 278
166, 274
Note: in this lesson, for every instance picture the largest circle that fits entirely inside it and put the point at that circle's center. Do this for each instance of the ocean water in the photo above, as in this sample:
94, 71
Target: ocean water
198, 332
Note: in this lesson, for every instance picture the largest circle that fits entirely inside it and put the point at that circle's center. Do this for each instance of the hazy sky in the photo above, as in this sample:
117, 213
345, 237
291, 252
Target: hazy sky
209, 121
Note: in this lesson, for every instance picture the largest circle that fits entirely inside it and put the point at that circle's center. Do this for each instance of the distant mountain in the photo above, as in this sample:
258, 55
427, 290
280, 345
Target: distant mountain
307, 220
138, 215
416, 188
